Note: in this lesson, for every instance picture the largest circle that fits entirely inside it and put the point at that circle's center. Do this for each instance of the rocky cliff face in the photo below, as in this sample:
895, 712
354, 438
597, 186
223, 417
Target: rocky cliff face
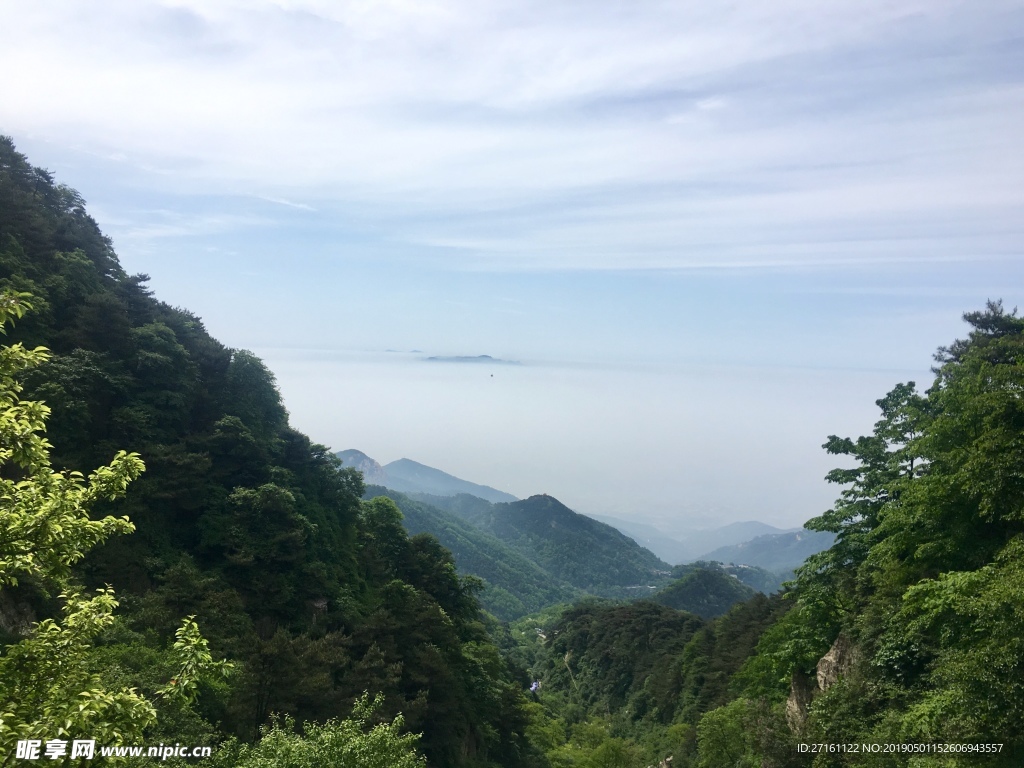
801, 693
831, 667
836, 663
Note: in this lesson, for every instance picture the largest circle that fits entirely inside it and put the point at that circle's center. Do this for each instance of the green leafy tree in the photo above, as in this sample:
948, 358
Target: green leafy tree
48, 691
348, 743
887, 461
47, 686
195, 662
976, 681
745, 734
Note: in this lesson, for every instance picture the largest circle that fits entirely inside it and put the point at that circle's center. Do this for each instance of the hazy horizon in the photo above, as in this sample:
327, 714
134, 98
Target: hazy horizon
602, 439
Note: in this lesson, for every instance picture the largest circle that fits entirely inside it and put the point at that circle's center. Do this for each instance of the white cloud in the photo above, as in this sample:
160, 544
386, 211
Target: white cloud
689, 131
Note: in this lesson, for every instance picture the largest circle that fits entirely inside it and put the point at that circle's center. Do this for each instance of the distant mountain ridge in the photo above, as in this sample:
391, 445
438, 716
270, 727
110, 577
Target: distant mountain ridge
687, 546
729, 535
373, 472
410, 476
774, 552
485, 359
669, 549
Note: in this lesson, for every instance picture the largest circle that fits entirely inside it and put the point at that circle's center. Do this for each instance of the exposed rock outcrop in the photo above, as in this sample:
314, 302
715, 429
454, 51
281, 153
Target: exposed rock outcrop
831, 668
802, 690
836, 663
373, 472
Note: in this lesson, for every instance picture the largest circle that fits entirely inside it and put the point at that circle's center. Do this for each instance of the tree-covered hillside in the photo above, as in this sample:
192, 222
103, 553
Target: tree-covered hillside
625, 685
513, 585
707, 590
241, 521
573, 548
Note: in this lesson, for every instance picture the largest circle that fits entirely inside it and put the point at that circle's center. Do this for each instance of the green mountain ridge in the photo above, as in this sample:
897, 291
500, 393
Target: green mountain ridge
514, 584
517, 585
707, 590
574, 548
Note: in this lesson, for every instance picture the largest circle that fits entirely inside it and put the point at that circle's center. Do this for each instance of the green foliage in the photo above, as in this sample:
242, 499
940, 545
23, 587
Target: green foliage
47, 688
574, 549
349, 743
926, 573
45, 521
745, 734
267, 528
191, 652
587, 744
606, 653
513, 584
46, 683
252, 395
708, 671
707, 591
969, 624
44, 529
636, 676
791, 645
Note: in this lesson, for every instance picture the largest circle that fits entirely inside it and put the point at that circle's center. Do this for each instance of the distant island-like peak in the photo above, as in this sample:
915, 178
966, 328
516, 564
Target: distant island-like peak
471, 359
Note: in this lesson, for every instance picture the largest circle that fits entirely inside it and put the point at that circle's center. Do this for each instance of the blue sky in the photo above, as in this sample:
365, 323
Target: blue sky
713, 233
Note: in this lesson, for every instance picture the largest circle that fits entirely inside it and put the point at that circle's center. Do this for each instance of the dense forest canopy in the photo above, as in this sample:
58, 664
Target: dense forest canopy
513, 584
252, 562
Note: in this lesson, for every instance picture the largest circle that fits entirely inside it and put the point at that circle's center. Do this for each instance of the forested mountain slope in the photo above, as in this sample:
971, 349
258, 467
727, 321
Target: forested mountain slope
240, 520
514, 584
625, 685
707, 590
574, 548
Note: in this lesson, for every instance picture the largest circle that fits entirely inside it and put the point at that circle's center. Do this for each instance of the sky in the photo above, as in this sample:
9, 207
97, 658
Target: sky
711, 234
